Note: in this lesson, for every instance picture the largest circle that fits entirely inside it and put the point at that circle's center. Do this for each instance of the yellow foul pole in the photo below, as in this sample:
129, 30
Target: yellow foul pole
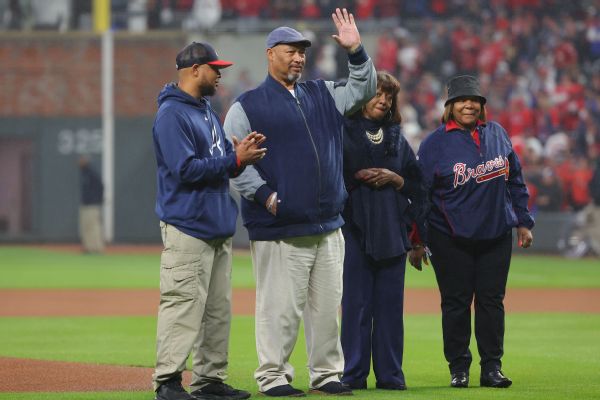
101, 12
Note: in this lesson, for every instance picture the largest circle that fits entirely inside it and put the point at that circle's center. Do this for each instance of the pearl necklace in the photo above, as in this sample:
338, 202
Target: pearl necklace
375, 138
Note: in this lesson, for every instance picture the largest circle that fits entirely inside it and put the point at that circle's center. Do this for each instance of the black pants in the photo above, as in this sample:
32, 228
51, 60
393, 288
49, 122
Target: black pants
465, 269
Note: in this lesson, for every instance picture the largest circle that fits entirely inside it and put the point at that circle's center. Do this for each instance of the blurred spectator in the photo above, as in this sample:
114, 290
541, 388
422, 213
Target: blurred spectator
579, 193
310, 9
593, 210
54, 15
90, 209
326, 65
242, 84
365, 9
205, 14
549, 194
82, 15
284, 9
11, 15
137, 18
387, 49
592, 35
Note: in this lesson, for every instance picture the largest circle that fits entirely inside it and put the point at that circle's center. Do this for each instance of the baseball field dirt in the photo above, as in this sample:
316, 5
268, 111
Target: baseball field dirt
57, 376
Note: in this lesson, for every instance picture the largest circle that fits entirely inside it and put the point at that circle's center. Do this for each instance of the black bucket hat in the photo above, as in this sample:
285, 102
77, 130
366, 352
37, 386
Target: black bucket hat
464, 86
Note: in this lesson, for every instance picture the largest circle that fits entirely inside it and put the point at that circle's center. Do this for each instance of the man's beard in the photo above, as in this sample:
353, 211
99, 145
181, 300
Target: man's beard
208, 89
293, 77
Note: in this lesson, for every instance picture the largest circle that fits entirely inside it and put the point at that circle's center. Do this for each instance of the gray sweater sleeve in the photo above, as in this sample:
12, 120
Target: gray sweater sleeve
237, 124
361, 86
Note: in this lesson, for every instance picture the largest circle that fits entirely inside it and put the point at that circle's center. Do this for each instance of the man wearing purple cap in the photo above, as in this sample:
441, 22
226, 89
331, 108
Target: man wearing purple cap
291, 205
197, 219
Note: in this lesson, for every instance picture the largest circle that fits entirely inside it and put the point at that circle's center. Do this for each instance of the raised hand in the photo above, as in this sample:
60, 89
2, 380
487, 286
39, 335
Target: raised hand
248, 150
348, 36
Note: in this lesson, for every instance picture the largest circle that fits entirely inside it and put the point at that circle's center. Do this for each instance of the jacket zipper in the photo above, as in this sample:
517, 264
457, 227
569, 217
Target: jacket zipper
312, 141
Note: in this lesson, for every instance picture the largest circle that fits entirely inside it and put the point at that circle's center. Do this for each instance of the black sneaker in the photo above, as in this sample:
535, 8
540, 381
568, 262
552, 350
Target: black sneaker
459, 379
283, 391
219, 390
390, 386
333, 389
355, 385
172, 390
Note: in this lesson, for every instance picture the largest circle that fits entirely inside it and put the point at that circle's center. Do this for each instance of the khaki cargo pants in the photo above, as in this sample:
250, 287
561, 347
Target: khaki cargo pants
299, 277
194, 314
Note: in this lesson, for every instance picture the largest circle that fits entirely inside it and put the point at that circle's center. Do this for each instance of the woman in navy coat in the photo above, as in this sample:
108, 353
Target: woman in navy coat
383, 179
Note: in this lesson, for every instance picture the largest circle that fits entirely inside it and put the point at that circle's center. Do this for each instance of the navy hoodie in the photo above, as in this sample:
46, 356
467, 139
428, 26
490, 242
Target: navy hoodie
194, 161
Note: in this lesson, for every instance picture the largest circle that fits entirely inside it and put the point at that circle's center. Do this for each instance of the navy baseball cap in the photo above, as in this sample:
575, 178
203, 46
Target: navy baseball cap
199, 53
286, 35
464, 86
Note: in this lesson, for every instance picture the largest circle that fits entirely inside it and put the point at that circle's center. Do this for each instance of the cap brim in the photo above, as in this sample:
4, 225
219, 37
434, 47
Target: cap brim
481, 98
305, 43
220, 63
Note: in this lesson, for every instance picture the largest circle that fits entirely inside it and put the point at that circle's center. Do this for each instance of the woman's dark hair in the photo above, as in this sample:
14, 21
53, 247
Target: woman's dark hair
390, 85
447, 116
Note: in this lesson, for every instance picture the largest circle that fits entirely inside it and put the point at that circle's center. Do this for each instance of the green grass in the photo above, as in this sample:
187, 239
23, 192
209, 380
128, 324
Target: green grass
25, 267
549, 356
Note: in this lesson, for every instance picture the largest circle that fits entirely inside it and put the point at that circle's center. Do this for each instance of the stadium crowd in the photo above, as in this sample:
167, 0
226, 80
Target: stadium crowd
538, 62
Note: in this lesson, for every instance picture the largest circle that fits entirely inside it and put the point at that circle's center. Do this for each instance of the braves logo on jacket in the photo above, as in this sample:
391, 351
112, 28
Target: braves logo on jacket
486, 171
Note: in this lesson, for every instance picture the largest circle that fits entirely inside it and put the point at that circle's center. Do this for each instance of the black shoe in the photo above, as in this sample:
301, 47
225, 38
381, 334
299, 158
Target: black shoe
332, 389
172, 390
355, 385
284, 391
494, 379
390, 386
459, 380
219, 390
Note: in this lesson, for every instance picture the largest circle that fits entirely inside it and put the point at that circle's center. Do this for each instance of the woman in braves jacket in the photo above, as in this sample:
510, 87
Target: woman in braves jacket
381, 175
477, 195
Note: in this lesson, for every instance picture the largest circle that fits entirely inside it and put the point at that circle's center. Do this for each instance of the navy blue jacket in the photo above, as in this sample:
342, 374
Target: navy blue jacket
475, 193
303, 163
381, 215
309, 181
195, 161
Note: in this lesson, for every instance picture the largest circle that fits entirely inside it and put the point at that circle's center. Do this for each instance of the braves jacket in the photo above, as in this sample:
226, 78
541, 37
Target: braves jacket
194, 161
476, 192
304, 158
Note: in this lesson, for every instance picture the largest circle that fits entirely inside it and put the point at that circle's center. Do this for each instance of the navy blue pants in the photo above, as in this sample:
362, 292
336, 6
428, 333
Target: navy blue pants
468, 270
372, 315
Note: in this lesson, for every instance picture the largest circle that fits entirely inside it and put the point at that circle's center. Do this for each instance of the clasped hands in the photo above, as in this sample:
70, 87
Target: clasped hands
379, 177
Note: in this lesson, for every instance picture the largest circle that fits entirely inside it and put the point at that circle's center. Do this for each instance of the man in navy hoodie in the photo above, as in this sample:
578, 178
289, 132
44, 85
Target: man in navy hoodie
291, 205
197, 220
